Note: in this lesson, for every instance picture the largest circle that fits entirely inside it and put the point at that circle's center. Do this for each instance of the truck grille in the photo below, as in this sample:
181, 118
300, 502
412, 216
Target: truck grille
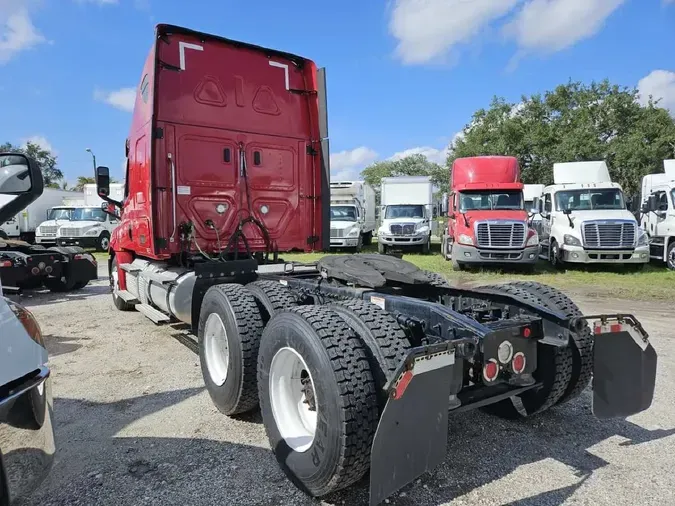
48, 230
69, 232
402, 229
500, 234
609, 234
336, 233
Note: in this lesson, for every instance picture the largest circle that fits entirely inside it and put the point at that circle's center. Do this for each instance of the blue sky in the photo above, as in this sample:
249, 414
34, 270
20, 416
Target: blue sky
403, 75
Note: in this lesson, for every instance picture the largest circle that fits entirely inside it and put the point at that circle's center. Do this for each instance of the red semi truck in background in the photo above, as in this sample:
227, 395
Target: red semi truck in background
356, 361
487, 220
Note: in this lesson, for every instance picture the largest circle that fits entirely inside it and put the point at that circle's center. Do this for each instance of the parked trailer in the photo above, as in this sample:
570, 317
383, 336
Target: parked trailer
23, 265
352, 214
355, 361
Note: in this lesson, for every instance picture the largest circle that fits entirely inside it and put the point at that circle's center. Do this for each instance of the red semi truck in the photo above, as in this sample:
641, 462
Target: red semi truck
356, 361
487, 220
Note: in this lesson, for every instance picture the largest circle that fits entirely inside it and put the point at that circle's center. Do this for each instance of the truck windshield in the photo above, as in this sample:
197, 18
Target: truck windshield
59, 214
404, 211
88, 214
487, 200
342, 213
590, 199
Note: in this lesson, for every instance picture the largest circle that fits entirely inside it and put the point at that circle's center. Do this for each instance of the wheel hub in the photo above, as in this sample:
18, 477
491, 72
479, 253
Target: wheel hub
216, 349
293, 399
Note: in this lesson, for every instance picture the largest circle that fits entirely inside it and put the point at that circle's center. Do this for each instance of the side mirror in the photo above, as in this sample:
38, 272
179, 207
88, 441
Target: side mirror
651, 203
19, 176
103, 182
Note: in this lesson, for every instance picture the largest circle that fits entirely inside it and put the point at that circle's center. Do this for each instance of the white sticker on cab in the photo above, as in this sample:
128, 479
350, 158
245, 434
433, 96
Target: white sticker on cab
183, 190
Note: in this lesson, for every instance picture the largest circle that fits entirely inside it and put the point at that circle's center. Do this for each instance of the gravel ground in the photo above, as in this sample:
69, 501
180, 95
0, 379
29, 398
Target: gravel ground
135, 426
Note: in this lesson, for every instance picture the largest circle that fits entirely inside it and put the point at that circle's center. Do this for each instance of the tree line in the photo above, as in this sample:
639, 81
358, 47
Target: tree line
48, 163
573, 122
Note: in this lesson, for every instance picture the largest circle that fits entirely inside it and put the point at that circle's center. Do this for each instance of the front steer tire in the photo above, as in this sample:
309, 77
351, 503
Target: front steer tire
338, 367
229, 314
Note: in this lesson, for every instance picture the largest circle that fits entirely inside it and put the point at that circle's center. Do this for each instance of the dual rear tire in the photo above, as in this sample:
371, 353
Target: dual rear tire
317, 373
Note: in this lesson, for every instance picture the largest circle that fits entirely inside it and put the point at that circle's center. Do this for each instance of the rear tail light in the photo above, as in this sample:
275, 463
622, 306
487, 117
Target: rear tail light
35, 271
527, 332
518, 363
5, 263
491, 370
48, 269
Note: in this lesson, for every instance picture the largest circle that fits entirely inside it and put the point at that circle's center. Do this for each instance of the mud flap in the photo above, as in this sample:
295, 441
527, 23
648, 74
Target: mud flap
624, 371
412, 434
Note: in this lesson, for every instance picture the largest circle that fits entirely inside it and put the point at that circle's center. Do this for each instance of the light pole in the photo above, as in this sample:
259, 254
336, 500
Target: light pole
93, 156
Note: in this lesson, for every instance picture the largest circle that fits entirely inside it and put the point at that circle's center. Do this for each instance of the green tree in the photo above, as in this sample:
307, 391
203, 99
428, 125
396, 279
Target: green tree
574, 122
81, 181
412, 165
47, 162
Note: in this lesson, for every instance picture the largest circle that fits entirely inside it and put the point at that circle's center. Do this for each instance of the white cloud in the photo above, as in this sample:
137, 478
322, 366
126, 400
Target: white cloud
428, 30
347, 165
553, 25
123, 99
433, 154
40, 141
17, 32
660, 84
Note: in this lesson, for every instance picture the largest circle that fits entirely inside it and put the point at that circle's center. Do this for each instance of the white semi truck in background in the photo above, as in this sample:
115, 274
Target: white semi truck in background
407, 213
24, 225
658, 213
352, 214
89, 225
585, 220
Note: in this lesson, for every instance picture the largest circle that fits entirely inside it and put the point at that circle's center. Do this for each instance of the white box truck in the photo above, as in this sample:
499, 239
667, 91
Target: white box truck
90, 226
407, 213
45, 234
585, 219
352, 214
24, 225
658, 213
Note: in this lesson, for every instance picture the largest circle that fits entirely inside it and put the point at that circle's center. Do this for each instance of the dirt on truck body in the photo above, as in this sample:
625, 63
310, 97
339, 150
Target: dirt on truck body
355, 361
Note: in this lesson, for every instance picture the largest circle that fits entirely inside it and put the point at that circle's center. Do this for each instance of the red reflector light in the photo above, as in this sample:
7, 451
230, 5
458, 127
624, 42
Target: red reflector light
490, 370
5, 263
527, 332
518, 363
616, 327
403, 383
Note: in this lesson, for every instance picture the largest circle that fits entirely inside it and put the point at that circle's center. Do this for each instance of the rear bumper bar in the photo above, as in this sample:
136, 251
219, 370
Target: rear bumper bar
412, 433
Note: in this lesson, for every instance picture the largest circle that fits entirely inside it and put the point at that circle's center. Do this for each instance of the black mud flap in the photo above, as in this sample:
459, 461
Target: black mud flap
624, 372
412, 434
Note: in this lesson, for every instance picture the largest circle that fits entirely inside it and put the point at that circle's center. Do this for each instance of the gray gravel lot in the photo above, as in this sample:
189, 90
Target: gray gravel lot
135, 426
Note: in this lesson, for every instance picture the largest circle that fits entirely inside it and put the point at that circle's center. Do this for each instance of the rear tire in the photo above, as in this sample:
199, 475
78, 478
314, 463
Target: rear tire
670, 258
456, 266
385, 341
554, 371
60, 285
581, 343
331, 449
80, 284
367, 238
426, 247
359, 244
230, 326
271, 297
381, 248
